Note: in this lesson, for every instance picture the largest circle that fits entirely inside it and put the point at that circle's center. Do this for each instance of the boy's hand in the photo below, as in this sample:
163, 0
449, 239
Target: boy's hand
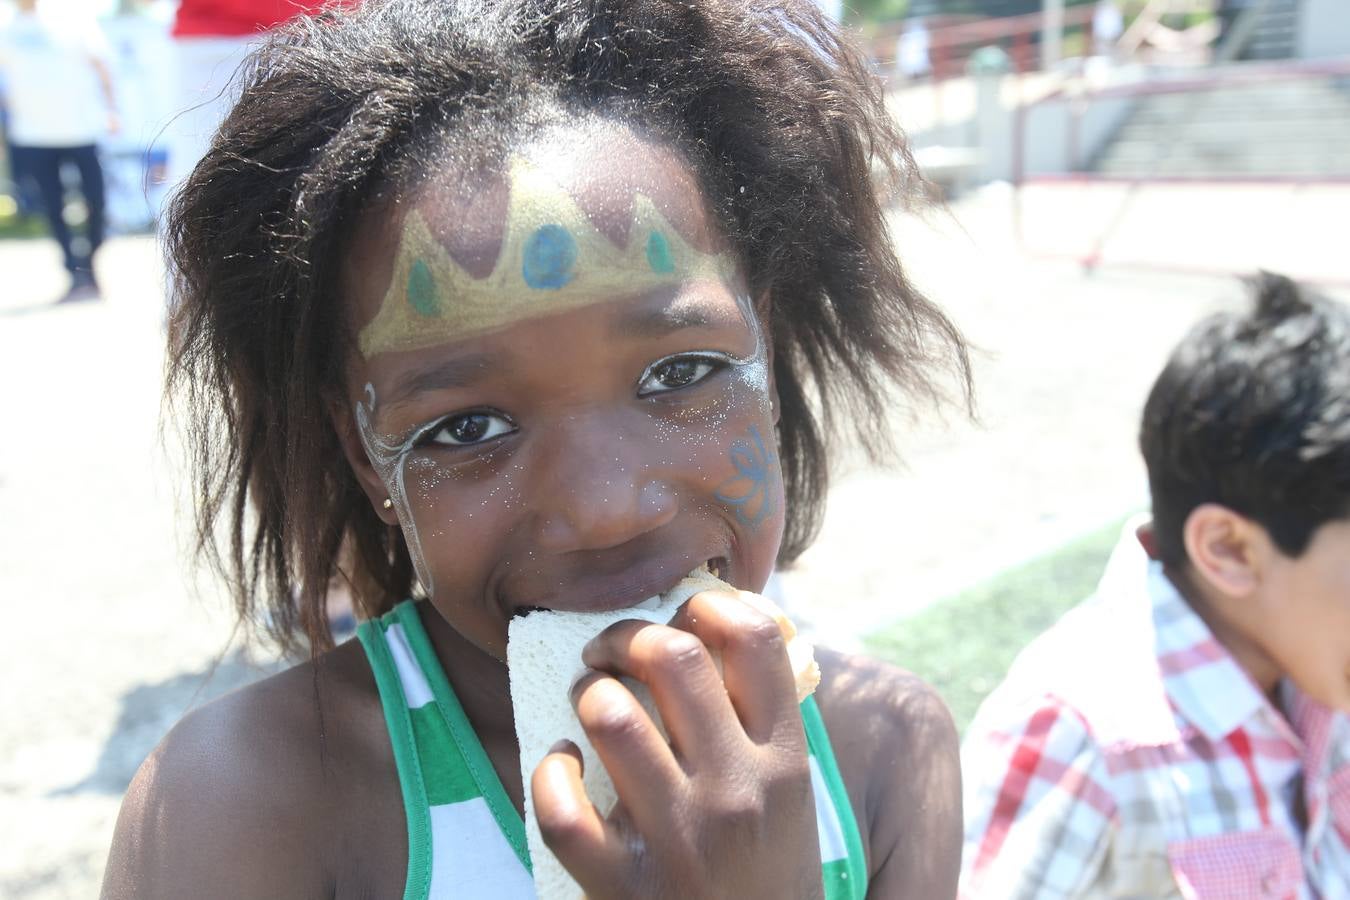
725, 808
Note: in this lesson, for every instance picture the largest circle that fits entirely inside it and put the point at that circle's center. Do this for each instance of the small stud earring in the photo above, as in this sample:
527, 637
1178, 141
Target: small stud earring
388, 504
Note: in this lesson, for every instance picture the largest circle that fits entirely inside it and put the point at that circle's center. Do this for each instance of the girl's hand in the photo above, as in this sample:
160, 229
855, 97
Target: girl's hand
725, 809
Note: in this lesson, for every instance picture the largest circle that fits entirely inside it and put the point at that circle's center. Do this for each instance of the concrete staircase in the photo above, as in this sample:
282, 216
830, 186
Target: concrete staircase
1276, 32
1294, 128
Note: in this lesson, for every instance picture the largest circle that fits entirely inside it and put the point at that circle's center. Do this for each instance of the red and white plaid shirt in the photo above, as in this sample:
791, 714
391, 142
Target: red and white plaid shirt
1127, 755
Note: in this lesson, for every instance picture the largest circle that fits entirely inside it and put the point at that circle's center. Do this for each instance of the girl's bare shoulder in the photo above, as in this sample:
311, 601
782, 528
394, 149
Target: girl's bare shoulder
899, 753
265, 792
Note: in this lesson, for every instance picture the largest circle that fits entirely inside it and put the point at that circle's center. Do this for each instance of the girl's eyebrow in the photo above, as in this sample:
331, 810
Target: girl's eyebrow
460, 372
471, 368
655, 323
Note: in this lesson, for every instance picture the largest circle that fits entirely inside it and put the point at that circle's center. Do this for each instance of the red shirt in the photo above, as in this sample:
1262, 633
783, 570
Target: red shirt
229, 18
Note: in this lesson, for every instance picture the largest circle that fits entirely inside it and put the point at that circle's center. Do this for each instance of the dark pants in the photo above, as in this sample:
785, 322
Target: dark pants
43, 165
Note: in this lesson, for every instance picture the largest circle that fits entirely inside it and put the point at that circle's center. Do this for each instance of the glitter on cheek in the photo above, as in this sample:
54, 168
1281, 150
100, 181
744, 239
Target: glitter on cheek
755, 374
431, 475
479, 483
690, 434
746, 392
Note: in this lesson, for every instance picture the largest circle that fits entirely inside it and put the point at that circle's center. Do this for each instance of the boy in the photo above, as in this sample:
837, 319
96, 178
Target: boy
61, 102
1184, 733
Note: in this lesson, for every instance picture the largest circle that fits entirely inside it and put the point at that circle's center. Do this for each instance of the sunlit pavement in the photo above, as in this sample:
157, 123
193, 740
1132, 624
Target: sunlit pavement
107, 640
111, 639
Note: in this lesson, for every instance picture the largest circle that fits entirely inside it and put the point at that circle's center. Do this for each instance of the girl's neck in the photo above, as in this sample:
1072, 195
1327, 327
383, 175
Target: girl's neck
480, 680
484, 691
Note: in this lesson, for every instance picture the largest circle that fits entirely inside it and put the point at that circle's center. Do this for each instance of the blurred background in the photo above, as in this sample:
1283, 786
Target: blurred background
1106, 171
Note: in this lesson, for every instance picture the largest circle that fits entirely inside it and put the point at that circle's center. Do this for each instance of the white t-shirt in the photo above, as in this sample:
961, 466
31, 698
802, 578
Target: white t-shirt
51, 87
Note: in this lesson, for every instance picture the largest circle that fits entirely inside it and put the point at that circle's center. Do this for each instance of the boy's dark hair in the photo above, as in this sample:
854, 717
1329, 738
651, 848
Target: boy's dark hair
776, 113
1253, 412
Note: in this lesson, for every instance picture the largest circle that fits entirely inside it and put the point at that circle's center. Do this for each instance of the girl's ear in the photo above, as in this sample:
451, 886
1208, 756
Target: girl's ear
1226, 549
764, 312
344, 423
775, 408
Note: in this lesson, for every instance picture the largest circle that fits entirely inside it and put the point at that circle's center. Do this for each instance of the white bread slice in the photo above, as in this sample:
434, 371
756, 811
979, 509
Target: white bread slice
544, 655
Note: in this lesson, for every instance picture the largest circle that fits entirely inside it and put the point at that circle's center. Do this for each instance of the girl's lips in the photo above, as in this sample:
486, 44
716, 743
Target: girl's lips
602, 593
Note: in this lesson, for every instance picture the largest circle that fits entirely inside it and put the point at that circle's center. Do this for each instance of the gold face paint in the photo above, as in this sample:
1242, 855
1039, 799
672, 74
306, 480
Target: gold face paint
552, 258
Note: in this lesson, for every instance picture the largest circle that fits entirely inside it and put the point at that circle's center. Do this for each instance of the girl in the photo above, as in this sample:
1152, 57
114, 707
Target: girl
520, 304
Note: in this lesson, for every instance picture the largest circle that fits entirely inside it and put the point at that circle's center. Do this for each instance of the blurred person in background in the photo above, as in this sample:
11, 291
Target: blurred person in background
59, 102
210, 40
1107, 26
1186, 732
912, 51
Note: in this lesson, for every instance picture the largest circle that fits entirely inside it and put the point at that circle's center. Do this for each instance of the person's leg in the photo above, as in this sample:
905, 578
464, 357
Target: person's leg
43, 165
25, 191
91, 183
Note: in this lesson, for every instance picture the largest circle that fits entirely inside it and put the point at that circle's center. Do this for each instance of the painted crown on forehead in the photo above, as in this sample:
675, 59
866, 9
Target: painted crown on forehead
552, 258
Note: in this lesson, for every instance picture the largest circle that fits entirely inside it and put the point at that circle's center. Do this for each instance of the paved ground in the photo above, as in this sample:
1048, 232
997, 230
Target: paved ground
114, 640
110, 641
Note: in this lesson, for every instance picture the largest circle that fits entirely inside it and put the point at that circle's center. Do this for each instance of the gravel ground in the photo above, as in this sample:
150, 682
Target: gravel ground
116, 638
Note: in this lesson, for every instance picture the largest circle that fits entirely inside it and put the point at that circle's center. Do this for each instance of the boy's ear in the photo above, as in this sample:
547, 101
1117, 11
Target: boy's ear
1226, 549
344, 423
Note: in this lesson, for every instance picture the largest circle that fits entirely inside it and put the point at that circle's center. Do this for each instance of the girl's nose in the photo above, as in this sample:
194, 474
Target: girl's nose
593, 494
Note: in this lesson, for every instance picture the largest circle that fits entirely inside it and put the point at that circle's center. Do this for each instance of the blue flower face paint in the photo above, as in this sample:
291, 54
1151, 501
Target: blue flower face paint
751, 493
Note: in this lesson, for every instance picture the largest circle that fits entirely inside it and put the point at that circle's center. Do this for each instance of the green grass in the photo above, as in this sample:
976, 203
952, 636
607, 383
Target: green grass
964, 645
16, 226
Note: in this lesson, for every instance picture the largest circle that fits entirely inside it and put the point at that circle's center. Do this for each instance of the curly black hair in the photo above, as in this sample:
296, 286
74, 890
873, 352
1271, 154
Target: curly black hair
1253, 412
776, 112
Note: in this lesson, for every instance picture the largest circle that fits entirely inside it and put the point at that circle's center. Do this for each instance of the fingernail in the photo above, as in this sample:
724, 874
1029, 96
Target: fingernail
576, 679
561, 746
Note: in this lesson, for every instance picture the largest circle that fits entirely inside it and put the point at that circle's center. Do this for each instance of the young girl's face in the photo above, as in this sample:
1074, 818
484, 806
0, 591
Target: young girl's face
561, 385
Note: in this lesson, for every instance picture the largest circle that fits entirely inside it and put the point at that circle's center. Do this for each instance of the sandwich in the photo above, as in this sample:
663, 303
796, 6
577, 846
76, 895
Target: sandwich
544, 654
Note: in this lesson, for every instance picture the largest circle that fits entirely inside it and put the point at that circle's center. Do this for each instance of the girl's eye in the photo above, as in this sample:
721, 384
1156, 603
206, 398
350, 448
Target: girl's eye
673, 374
469, 428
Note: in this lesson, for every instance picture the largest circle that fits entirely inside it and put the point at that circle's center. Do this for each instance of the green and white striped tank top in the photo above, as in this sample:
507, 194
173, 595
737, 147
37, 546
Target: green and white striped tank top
465, 838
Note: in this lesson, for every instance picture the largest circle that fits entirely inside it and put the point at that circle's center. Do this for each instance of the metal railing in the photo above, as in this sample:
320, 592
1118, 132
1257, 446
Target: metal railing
951, 44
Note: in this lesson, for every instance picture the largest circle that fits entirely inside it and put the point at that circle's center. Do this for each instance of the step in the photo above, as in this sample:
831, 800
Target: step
1254, 151
1291, 118
1327, 112
1251, 168
1221, 98
1254, 82
1325, 164
1263, 146
1302, 132
1262, 162
1333, 107
1227, 152
1329, 108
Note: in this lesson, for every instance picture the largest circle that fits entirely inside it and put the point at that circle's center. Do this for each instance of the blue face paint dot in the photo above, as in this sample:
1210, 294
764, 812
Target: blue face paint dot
550, 257
422, 289
658, 254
